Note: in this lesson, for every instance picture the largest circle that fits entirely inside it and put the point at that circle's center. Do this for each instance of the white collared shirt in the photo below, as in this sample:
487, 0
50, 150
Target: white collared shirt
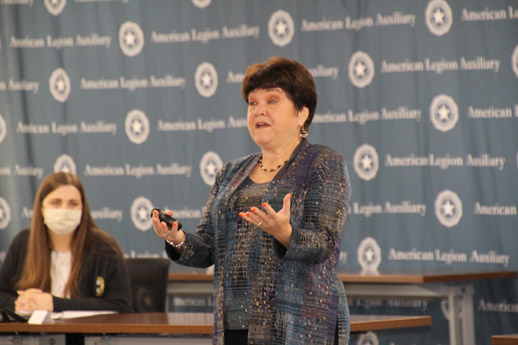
60, 266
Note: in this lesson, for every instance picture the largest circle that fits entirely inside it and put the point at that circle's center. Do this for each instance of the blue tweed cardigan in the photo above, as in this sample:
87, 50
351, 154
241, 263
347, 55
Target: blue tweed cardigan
297, 298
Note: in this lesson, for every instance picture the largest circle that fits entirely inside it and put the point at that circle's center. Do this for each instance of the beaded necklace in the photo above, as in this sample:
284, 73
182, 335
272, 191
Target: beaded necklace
260, 162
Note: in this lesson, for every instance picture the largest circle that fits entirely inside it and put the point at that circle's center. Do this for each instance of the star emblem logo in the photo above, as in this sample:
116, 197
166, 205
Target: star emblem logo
210, 165
438, 17
206, 79
361, 69
140, 213
366, 162
137, 126
444, 113
281, 28
369, 255
448, 208
59, 85
131, 38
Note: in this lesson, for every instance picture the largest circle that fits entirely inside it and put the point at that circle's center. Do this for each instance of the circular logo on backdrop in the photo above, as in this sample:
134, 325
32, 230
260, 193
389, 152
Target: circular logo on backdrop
438, 17
206, 79
5, 213
514, 61
3, 128
140, 213
281, 28
369, 255
366, 162
201, 3
131, 38
137, 126
65, 163
444, 113
361, 69
369, 338
55, 7
59, 85
210, 164
448, 208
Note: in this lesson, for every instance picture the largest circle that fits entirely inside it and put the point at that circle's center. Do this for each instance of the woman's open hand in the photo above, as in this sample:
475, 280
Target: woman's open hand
276, 224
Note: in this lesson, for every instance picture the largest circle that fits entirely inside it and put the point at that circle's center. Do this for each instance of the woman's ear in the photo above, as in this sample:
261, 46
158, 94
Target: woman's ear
303, 115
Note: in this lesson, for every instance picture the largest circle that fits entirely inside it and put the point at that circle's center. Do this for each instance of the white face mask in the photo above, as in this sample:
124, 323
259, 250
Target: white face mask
62, 221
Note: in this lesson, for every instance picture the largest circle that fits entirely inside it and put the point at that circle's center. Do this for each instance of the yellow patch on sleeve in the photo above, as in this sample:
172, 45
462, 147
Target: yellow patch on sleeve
99, 286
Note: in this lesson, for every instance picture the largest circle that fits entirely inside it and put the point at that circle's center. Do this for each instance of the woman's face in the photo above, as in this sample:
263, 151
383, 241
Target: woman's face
273, 120
63, 197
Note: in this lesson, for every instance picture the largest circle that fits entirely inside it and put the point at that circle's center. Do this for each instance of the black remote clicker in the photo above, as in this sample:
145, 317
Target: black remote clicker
166, 218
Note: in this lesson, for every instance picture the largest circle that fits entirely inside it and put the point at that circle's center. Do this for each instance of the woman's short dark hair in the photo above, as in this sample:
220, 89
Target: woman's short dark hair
289, 75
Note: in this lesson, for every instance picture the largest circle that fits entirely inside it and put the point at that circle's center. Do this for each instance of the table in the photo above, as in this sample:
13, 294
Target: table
510, 339
456, 288
366, 323
180, 324
185, 323
131, 323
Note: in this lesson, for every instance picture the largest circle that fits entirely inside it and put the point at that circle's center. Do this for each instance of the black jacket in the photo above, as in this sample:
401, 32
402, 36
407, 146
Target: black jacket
101, 266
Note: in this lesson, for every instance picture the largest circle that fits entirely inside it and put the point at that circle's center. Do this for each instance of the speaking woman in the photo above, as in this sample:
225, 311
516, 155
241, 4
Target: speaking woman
272, 222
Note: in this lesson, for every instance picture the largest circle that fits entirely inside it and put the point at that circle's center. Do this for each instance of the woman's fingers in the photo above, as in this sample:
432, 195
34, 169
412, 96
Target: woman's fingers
258, 217
161, 228
249, 217
286, 204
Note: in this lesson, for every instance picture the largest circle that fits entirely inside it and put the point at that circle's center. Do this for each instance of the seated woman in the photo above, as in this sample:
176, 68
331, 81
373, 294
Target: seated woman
64, 262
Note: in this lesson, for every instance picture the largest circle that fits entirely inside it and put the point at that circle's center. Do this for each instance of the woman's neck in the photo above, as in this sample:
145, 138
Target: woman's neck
61, 243
275, 156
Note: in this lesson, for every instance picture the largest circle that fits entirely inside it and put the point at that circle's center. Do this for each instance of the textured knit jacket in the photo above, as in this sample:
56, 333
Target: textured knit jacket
298, 297
103, 281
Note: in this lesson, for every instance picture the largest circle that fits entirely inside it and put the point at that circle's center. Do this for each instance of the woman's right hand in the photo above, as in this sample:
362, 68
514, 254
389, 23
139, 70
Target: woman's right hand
170, 235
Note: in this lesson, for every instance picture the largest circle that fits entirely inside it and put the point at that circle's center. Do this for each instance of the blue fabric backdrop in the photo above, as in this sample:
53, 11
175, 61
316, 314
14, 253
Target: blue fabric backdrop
142, 100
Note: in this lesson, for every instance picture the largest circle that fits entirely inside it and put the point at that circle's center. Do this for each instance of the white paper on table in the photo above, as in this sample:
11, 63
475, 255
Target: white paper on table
72, 314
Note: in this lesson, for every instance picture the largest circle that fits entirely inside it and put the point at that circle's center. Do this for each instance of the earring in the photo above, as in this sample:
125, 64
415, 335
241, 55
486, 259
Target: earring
303, 133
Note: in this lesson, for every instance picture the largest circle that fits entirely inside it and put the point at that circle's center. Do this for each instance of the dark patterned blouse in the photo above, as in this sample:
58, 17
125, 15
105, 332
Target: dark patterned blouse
241, 250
